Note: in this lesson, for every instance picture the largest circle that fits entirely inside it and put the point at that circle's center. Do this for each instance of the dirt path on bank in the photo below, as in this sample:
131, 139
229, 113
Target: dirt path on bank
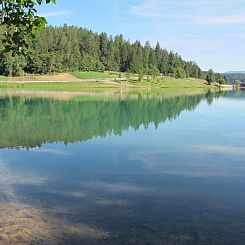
61, 77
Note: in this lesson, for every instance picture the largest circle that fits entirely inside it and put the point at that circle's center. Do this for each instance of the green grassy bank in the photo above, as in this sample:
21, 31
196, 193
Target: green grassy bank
153, 83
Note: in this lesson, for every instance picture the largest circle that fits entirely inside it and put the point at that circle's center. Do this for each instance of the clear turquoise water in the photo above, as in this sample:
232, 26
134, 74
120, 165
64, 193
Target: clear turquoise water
127, 171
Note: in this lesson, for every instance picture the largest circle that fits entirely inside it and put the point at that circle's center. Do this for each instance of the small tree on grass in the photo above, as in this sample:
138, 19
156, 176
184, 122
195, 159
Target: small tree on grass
128, 76
13, 66
141, 76
148, 79
238, 83
221, 80
180, 73
210, 77
153, 71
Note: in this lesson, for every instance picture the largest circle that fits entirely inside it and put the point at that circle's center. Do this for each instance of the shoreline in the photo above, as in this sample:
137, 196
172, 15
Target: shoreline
67, 81
105, 84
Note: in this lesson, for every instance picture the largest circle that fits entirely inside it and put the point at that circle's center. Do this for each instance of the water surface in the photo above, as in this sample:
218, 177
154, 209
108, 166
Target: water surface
139, 169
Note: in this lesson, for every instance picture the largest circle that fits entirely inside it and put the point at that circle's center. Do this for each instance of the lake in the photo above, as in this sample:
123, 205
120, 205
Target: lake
123, 168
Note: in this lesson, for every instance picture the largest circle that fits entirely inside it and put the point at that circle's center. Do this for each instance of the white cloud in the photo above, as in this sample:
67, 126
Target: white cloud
222, 20
147, 9
158, 8
203, 12
239, 35
56, 13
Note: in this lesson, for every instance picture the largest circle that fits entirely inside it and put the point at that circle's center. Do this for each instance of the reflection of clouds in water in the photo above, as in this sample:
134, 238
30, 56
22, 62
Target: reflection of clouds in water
116, 187
110, 202
49, 151
90, 198
9, 177
230, 103
221, 149
9, 180
234, 135
70, 194
22, 223
192, 162
6, 180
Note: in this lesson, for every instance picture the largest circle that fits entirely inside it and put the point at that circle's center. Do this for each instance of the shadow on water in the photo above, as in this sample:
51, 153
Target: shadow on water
119, 187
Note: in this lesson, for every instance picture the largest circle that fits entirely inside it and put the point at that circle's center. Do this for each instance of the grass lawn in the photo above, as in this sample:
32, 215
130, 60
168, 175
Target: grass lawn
91, 74
58, 82
57, 86
167, 82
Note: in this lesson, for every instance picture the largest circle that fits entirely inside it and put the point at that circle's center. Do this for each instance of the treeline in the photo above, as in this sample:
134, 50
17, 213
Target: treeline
69, 48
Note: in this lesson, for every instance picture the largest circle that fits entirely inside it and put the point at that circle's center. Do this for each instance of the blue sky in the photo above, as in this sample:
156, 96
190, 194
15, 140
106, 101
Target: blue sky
209, 32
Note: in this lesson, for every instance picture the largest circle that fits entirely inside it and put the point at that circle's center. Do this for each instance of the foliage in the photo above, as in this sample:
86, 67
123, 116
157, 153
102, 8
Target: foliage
210, 77
141, 75
12, 66
221, 80
180, 73
21, 22
238, 83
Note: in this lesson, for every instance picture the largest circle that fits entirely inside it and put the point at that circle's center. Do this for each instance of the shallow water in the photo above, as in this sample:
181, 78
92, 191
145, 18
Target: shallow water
135, 169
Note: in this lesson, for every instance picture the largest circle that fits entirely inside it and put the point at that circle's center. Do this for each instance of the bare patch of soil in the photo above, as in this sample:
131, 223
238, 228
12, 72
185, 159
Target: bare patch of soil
61, 77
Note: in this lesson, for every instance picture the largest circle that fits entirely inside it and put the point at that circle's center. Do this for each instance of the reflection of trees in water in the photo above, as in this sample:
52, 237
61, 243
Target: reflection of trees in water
210, 96
31, 122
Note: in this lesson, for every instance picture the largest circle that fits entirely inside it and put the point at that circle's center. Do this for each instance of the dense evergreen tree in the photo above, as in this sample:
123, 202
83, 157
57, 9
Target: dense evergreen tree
210, 77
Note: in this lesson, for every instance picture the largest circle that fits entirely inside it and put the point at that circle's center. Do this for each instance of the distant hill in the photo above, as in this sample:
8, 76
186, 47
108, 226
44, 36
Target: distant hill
235, 72
235, 75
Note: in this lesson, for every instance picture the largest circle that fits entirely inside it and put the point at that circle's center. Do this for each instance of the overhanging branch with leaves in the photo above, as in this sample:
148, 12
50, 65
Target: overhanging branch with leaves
21, 22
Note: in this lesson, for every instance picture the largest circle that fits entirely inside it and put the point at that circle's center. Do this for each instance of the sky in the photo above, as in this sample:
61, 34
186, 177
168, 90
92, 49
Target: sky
209, 32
